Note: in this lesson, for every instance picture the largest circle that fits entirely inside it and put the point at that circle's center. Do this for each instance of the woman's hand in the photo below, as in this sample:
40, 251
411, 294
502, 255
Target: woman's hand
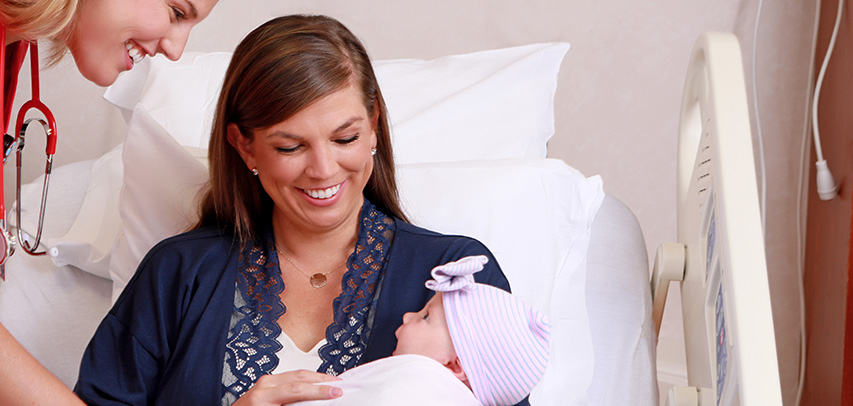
289, 387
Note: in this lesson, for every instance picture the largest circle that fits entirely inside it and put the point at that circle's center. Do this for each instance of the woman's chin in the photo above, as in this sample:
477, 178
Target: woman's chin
98, 75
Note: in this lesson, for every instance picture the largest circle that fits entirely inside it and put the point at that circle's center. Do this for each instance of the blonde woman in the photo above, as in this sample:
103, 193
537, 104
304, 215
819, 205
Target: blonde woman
105, 37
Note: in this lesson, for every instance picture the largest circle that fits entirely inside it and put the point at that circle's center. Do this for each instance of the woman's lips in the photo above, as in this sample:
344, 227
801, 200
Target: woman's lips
323, 194
136, 55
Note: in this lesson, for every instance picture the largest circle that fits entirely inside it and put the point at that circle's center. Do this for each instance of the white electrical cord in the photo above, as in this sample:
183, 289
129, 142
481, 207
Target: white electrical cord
761, 165
811, 104
826, 187
801, 264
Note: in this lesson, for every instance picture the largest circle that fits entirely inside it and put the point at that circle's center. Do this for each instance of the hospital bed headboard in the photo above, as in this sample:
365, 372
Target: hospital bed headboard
719, 258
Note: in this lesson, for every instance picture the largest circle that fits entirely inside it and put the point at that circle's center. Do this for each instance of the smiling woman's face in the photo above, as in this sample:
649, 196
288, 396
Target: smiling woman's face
109, 36
315, 164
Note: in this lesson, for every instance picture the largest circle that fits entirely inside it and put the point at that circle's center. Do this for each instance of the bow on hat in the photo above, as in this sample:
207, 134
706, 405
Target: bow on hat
457, 275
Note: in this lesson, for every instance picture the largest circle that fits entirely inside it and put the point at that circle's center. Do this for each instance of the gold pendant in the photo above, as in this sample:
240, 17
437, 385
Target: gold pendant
318, 280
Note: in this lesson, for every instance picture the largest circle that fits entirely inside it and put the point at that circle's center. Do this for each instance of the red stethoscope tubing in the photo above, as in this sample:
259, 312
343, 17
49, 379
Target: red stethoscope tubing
35, 103
21, 124
6, 110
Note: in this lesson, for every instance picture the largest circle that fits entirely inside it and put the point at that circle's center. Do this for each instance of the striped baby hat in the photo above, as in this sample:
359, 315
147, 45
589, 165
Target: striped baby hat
501, 342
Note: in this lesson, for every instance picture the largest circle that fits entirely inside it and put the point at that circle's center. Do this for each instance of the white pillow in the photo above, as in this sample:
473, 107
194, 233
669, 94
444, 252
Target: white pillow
81, 219
447, 109
484, 105
66, 194
158, 195
534, 214
180, 96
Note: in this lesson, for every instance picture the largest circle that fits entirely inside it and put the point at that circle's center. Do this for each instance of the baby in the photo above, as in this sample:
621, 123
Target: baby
472, 344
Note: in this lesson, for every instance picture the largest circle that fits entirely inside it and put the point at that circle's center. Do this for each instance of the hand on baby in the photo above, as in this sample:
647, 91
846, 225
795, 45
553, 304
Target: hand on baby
289, 387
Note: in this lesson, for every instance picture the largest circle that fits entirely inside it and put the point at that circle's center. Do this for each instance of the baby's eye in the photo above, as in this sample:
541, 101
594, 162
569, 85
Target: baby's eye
426, 316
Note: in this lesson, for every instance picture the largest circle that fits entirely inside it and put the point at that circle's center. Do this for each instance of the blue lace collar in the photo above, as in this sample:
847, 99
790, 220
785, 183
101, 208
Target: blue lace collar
252, 343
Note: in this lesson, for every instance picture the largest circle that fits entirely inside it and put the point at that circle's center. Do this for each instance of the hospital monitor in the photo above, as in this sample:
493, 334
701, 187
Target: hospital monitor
728, 324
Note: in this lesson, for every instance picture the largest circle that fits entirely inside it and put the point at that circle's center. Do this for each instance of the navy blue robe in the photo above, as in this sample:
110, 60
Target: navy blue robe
163, 342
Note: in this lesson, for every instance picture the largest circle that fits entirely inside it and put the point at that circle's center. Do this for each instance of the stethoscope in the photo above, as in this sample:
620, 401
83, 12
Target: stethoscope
8, 241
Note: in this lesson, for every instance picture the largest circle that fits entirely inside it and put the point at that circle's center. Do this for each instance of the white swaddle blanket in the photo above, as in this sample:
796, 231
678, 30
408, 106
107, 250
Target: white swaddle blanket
412, 380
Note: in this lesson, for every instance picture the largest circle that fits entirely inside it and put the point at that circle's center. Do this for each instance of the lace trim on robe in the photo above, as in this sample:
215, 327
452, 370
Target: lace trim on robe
252, 342
347, 335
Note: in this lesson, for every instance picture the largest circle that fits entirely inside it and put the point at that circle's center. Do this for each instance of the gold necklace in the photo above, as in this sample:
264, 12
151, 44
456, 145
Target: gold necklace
317, 280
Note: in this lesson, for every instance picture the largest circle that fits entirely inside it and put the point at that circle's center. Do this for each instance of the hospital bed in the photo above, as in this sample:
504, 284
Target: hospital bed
566, 246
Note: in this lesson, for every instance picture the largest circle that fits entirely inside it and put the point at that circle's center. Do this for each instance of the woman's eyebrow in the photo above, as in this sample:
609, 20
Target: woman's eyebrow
348, 123
283, 134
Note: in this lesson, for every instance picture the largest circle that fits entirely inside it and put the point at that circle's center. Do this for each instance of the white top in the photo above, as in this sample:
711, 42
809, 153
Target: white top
291, 358
411, 380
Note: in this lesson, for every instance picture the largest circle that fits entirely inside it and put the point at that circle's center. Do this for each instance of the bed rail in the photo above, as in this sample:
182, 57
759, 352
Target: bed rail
728, 324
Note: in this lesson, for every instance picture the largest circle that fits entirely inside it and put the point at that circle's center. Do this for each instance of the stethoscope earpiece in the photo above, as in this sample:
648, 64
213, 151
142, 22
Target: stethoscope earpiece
8, 242
8, 145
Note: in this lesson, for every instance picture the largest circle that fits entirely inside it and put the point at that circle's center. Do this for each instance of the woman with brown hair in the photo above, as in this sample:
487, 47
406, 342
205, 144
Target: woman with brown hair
302, 258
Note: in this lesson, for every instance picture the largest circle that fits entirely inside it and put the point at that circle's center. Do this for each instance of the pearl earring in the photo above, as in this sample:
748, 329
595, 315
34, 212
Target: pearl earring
373, 151
255, 171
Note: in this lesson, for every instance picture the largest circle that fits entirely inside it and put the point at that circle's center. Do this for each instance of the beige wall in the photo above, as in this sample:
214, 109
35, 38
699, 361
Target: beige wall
782, 61
616, 106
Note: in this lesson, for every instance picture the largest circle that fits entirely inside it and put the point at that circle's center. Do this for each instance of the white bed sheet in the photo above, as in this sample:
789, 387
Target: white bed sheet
619, 307
52, 311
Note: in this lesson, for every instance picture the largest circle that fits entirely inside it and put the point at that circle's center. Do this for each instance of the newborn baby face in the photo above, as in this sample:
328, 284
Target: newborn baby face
426, 333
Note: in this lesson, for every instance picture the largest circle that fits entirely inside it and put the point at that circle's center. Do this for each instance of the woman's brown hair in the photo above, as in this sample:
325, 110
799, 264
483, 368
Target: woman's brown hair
279, 69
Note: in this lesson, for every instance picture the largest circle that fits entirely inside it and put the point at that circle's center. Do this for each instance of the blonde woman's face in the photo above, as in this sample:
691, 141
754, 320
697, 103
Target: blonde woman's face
109, 36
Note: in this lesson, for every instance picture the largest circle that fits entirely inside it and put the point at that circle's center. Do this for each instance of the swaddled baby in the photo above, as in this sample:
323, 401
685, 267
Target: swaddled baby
472, 344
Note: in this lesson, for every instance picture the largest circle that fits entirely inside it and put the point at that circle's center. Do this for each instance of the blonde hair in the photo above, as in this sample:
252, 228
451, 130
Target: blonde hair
279, 69
41, 19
